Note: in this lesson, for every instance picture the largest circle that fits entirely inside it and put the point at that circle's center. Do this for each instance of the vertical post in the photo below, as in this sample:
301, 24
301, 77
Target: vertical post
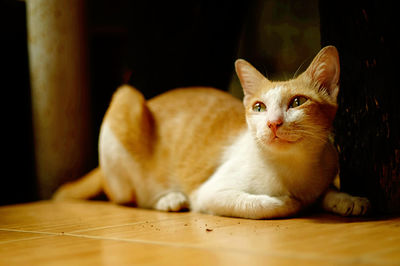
60, 97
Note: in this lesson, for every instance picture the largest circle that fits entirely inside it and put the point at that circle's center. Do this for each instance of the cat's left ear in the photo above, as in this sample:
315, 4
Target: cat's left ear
249, 77
325, 71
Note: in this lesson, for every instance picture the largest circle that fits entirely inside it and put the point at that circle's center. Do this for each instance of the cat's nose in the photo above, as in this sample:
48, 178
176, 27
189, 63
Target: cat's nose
274, 124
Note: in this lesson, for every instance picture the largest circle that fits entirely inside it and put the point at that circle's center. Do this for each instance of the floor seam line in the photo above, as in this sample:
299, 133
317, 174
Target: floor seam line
30, 232
24, 239
119, 225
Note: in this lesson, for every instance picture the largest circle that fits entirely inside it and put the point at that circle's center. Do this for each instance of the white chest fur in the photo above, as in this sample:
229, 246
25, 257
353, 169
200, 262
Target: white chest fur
259, 180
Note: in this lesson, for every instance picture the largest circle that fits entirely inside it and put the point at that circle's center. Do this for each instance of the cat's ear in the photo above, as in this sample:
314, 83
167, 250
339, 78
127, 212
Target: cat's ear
325, 70
249, 76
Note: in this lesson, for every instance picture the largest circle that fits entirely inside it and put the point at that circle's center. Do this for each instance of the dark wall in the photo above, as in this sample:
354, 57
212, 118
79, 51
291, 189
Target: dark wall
368, 120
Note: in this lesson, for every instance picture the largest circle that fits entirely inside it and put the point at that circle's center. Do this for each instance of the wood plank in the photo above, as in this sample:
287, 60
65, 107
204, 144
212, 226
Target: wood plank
101, 232
67, 250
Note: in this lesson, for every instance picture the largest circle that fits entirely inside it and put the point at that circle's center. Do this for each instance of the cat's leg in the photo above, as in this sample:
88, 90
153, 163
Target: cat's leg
241, 204
172, 201
344, 204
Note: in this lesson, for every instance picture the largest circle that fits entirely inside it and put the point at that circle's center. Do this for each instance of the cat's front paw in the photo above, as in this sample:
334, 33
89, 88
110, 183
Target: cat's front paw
352, 206
275, 207
347, 205
172, 202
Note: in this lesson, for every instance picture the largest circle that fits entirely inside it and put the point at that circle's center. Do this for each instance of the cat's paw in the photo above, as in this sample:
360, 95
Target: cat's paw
266, 207
172, 202
347, 205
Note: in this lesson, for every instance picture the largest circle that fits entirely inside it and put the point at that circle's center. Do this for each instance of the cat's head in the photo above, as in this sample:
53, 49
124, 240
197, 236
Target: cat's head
298, 112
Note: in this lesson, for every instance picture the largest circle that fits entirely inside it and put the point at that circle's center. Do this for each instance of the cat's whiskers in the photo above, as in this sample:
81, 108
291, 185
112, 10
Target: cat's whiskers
301, 65
312, 134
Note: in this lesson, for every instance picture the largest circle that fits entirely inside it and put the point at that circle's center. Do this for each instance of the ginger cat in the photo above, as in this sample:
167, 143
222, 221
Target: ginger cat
199, 149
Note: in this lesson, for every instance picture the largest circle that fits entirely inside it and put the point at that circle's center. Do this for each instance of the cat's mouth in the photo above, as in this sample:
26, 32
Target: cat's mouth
282, 141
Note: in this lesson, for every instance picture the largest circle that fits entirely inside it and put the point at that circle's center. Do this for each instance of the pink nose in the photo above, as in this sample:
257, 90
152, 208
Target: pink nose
274, 125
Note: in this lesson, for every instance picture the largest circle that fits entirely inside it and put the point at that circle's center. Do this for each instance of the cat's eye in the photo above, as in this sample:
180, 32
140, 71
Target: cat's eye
259, 107
297, 101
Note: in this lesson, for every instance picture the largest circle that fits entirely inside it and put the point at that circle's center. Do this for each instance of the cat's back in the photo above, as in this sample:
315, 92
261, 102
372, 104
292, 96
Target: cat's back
190, 116
196, 108
193, 128
179, 136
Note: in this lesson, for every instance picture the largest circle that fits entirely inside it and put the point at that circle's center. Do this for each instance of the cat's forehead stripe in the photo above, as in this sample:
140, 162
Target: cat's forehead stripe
274, 92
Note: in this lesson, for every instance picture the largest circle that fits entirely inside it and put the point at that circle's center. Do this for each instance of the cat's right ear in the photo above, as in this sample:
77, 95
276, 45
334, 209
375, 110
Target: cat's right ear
325, 70
249, 77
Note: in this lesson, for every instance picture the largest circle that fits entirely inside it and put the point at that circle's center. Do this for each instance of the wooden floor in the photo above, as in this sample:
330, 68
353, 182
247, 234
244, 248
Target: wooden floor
100, 233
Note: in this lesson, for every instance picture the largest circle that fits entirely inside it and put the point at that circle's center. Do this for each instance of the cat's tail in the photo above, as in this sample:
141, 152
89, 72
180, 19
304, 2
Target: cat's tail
88, 187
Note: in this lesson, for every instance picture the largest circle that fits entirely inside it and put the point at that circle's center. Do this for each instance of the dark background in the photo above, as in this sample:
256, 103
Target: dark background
18, 181
368, 119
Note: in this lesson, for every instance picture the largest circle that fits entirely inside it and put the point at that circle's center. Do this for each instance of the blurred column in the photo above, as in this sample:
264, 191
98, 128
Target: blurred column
60, 97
